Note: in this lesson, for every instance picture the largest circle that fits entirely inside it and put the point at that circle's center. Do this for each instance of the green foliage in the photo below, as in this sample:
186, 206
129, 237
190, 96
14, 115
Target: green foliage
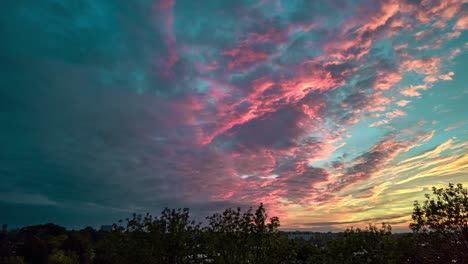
61, 257
371, 245
447, 211
441, 224
34, 250
171, 238
302, 252
244, 237
80, 245
12, 260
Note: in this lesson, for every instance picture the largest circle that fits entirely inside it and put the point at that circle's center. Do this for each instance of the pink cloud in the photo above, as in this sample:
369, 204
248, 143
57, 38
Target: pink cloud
360, 104
165, 4
452, 35
439, 24
421, 34
447, 77
400, 47
377, 102
247, 52
351, 121
412, 90
386, 10
436, 44
386, 80
427, 66
257, 105
462, 23
310, 77
396, 25
379, 123
305, 28
451, 10
272, 35
207, 67
244, 57
395, 113
403, 102
426, 137
430, 79
427, 10
390, 116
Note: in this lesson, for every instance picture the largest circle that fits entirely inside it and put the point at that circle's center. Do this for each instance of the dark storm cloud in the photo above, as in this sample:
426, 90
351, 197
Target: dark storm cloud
76, 127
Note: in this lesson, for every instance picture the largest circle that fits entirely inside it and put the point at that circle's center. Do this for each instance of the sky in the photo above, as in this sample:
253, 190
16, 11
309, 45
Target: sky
332, 113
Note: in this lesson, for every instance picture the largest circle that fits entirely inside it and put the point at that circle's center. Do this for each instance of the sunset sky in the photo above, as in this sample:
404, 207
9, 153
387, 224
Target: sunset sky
333, 113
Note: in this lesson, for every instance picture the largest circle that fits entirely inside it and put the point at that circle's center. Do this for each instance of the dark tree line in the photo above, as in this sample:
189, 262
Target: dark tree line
440, 235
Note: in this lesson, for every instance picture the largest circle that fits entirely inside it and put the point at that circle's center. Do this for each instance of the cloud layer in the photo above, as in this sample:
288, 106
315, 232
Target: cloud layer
331, 113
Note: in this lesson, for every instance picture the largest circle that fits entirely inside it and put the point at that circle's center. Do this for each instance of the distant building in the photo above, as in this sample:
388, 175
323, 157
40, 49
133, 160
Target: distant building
106, 228
4, 228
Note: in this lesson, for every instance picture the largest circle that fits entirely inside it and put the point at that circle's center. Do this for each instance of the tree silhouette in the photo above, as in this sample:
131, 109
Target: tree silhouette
369, 245
237, 237
244, 237
442, 221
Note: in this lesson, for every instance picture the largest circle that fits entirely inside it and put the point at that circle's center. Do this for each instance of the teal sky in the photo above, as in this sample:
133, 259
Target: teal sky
332, 113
